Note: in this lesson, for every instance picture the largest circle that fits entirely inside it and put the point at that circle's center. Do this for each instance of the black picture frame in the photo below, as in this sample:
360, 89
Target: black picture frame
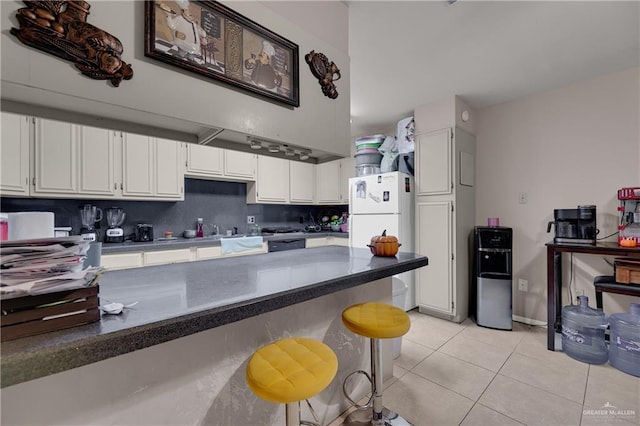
212, 40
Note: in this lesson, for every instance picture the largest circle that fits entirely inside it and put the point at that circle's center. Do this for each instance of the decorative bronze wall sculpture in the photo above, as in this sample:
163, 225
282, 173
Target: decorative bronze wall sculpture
61, 28
324, 71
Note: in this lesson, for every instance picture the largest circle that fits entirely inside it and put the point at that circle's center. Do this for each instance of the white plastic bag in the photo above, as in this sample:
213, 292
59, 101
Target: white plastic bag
388, 163
404, 135
389, 145
389, 151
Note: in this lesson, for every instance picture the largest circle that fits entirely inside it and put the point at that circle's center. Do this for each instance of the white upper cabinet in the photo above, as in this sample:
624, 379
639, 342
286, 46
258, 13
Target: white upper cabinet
204, 161
328, 184
169, 172
209, 162
240, 165
96, 152
302, 182
433, 151
347, 171
56, 159
137, 165
272, 181
14, 154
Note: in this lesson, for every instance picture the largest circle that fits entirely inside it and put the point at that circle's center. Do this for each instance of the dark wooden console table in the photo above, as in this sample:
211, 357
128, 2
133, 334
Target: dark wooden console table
554, 277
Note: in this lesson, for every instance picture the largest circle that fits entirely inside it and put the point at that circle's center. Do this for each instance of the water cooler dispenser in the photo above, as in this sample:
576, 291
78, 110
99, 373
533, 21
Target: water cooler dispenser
491, 278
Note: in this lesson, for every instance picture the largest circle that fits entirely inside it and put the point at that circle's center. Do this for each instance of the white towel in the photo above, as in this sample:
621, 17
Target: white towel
234, 245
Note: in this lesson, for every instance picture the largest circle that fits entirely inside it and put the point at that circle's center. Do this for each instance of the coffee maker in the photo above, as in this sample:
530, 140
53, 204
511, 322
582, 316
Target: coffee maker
89, 215
115, 217
574, 226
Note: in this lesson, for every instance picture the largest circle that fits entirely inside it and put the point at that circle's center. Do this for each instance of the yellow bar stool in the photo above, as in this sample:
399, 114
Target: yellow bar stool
291, 370
376, 321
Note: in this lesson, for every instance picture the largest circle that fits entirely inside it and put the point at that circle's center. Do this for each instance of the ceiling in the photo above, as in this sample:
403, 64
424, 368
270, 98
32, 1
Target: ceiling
409, 53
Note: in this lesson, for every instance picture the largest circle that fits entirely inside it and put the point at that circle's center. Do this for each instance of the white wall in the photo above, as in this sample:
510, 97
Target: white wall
167, 97
574, 145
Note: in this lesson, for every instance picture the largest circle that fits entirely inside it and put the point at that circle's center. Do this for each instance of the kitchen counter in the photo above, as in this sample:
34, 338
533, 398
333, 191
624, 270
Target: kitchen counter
179, 242
179, 300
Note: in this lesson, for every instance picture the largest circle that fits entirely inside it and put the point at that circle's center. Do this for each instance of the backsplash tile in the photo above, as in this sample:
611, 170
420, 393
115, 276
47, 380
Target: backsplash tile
220, 203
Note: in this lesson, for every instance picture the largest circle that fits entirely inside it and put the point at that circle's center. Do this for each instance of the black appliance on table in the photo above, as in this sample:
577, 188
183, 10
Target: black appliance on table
574, 226
491, 278
143, 232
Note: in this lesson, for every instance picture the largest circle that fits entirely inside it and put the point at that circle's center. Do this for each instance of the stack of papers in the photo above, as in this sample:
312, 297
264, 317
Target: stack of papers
29, 267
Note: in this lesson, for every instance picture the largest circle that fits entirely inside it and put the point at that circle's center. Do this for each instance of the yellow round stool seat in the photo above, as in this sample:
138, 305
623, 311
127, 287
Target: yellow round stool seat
376, 320
291, 369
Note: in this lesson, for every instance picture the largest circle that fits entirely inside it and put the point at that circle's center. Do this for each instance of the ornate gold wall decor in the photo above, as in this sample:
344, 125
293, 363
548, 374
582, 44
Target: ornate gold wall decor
61, 28
326, 72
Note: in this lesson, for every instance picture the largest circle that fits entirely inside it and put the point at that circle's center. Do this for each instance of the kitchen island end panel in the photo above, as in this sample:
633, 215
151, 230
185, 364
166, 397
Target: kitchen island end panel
200, 378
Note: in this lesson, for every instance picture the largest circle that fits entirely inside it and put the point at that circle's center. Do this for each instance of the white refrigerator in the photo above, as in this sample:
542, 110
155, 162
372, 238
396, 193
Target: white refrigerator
379, 202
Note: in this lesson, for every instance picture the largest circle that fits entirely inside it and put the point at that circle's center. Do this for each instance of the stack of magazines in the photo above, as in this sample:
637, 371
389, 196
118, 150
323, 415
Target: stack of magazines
48, 265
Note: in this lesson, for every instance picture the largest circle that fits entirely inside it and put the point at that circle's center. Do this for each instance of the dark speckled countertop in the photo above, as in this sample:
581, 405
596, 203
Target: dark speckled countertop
182, 299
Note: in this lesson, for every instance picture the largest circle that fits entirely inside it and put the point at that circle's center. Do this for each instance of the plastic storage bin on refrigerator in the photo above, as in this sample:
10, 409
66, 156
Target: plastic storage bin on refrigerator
491, 286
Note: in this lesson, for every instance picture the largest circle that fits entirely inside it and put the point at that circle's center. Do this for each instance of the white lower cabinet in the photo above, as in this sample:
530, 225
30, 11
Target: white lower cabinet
315, 242
203, 253
337, 241
164, 257
121, 260
433, 223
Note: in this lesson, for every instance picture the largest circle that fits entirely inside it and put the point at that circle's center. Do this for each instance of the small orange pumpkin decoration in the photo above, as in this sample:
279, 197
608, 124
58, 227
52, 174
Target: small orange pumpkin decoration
384, 245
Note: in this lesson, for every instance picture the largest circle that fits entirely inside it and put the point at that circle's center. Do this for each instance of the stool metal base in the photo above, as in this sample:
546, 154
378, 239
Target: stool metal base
364, 417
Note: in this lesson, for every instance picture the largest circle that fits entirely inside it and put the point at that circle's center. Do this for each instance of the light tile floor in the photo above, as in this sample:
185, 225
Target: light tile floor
462, 374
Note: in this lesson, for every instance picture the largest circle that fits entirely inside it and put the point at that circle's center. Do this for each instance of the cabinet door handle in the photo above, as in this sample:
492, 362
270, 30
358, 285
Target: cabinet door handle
34, 181
115, 185
121, 186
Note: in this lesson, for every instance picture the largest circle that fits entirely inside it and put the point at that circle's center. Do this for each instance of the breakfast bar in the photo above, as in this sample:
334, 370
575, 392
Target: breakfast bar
177, 355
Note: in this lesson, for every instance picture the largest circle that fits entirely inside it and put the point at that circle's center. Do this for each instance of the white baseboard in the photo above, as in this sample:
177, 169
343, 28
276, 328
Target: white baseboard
529, 321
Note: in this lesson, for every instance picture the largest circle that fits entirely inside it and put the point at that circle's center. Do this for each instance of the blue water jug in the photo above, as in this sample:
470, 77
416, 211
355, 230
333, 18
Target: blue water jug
624, 344
583, 330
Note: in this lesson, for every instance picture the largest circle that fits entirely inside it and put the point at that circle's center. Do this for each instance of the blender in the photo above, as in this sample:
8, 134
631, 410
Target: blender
115, 217
89, 214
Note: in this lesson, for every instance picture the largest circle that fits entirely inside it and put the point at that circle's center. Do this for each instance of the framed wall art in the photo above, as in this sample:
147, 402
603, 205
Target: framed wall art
210, 39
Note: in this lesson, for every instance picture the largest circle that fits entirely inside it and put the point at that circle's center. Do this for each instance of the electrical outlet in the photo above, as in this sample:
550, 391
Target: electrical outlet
251, 219
523, 285
522, 198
